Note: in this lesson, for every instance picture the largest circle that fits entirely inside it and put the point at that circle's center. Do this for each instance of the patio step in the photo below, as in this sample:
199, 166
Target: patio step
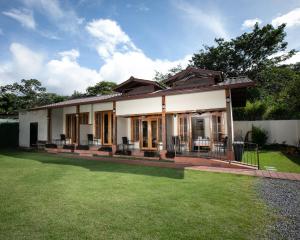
210, 162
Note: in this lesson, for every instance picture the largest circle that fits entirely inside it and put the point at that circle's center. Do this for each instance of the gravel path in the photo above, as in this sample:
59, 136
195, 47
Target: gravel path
284, 197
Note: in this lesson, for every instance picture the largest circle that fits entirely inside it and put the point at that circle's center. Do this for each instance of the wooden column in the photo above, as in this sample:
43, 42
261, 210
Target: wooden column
163, 123
78, 124
114, 137
229, 125
49, 126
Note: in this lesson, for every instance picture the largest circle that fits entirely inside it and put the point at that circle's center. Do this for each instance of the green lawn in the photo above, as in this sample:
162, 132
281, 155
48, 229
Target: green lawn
280, 161
48, 197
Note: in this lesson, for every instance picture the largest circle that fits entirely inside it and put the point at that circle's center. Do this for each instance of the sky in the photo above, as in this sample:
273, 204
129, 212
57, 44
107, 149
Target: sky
69, 45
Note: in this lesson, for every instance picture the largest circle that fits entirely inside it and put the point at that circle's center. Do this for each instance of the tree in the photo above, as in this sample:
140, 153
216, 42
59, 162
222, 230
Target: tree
246, 54
101, 88
24, 95
160, 77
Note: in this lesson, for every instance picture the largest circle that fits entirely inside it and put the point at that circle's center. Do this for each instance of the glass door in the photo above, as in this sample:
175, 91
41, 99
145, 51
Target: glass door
71, 128
107, 128
145, 137
151, 135
104, 127
154, 133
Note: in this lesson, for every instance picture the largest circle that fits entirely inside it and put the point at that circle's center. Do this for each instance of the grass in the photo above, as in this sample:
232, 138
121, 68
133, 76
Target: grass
280, 161
51, 197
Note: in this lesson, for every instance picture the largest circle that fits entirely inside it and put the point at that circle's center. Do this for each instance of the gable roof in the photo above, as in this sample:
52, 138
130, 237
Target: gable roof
133, 82
193, 72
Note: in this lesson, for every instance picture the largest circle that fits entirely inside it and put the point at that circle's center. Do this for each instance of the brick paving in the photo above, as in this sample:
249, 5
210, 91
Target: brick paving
166, 164
250, 172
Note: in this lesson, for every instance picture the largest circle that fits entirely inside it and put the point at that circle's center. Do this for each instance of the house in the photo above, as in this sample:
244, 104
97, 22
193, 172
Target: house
189, 114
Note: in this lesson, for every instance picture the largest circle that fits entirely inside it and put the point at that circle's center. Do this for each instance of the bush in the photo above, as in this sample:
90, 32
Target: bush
83, 147
50, 145
259, 136
9, 135
69, 146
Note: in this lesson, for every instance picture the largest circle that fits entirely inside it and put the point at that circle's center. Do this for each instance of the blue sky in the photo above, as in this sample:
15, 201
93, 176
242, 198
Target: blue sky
69, 45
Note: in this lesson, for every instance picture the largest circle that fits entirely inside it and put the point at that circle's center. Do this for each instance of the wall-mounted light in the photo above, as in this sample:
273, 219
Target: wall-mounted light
164, 106
228, 99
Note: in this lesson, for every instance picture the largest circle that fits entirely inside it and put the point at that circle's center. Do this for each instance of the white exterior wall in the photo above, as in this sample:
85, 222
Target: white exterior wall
107, 106
139, 106
67, 110
57, 123
85, 129
122, 129
279, 131
25, 118
196, 101
89, 109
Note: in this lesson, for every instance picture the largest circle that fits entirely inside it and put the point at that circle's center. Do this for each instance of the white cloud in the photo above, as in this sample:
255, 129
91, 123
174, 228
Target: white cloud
71, 55
65, 19
249, 23
123, 65
293, 59
292, 19
24, 16
122, 58
201, 17
109, 37
64, 74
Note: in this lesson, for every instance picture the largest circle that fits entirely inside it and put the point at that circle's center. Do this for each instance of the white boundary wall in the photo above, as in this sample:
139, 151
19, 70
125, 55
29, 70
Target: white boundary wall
25, 118
279, 131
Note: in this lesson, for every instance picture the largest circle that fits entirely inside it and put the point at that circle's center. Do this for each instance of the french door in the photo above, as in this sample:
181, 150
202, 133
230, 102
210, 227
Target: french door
104, 127
151, 132
71, 129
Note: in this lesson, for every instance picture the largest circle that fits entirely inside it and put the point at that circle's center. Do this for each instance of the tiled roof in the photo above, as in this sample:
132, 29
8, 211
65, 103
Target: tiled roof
233, 82
236, 80
85, 100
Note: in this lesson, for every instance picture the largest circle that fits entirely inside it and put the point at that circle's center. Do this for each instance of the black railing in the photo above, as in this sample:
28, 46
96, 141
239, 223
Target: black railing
249, 153
244, 152
197, 147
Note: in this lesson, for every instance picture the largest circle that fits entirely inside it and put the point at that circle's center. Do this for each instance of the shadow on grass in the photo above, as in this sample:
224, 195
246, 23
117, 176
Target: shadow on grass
293, 158
94, 165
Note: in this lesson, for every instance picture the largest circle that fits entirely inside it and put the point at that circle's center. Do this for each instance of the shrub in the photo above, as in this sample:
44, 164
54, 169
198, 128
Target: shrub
69, 146
83, 147
259, 136
50, 145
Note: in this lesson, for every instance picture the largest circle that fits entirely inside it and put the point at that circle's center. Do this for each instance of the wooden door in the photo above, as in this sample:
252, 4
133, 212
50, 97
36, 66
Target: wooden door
151, 134
104, 127
71, 127
107, 126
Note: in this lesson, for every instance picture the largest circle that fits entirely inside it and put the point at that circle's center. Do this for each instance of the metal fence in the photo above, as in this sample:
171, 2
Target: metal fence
244, 152
199, 147
249, 154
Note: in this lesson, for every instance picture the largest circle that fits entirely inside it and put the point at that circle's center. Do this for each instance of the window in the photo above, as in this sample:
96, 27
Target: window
135, 136
84, 118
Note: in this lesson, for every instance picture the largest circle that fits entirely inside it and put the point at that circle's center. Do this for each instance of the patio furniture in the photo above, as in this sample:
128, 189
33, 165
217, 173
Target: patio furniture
201, 143
92, 140
62, 140
126, 144
221, 146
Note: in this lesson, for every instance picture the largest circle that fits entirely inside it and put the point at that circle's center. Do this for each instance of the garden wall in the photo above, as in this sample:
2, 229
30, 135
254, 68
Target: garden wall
9, 134
279, 131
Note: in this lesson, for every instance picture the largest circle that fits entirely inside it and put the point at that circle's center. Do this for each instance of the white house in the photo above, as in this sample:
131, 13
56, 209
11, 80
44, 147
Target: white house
190, 113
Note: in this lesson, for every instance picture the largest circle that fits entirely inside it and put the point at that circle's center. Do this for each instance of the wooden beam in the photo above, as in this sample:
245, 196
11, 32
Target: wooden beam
163, 123
114, 124
78, 124
229, 125
49, 127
